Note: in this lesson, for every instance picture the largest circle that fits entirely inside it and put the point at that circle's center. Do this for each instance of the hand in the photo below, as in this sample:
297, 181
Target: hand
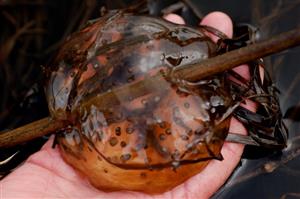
46, 175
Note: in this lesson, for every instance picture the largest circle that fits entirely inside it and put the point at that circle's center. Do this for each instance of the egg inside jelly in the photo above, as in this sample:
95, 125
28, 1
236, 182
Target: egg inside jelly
149, 137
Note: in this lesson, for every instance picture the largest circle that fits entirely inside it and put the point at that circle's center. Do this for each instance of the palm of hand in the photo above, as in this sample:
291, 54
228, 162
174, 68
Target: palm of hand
46, 175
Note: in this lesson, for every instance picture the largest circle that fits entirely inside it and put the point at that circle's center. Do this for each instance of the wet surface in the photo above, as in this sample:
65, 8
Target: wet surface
166, 122
163, 127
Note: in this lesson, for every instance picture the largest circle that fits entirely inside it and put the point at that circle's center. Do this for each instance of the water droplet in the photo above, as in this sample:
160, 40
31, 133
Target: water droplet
156, 98
168, 131
184, 137
213, 110
186, 105
73, 137
129, 130
162, 57
216, 101
113, 141
176, 155
234, 97
205, 105
189, 146
175, 164
96, 66
162, 137
125, 157
164, 150
100, 135
144, 102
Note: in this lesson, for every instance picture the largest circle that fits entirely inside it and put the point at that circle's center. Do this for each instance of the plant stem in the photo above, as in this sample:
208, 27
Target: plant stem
191, 72
239, 56
30, 131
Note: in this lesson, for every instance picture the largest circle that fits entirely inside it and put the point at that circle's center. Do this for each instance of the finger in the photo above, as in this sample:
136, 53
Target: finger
49, 143
220, 21
174, 18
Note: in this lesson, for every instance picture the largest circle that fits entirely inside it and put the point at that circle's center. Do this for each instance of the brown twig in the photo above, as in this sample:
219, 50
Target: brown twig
240, 56
192, 72
30, 131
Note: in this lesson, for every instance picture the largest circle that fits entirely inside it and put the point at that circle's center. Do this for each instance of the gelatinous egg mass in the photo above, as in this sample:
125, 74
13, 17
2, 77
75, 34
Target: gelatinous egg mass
148, 142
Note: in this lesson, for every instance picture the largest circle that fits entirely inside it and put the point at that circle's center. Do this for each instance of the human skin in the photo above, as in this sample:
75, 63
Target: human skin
46, 175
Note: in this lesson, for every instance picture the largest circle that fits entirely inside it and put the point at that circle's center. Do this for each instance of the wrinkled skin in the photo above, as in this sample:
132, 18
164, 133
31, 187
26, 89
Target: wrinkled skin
46, 175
